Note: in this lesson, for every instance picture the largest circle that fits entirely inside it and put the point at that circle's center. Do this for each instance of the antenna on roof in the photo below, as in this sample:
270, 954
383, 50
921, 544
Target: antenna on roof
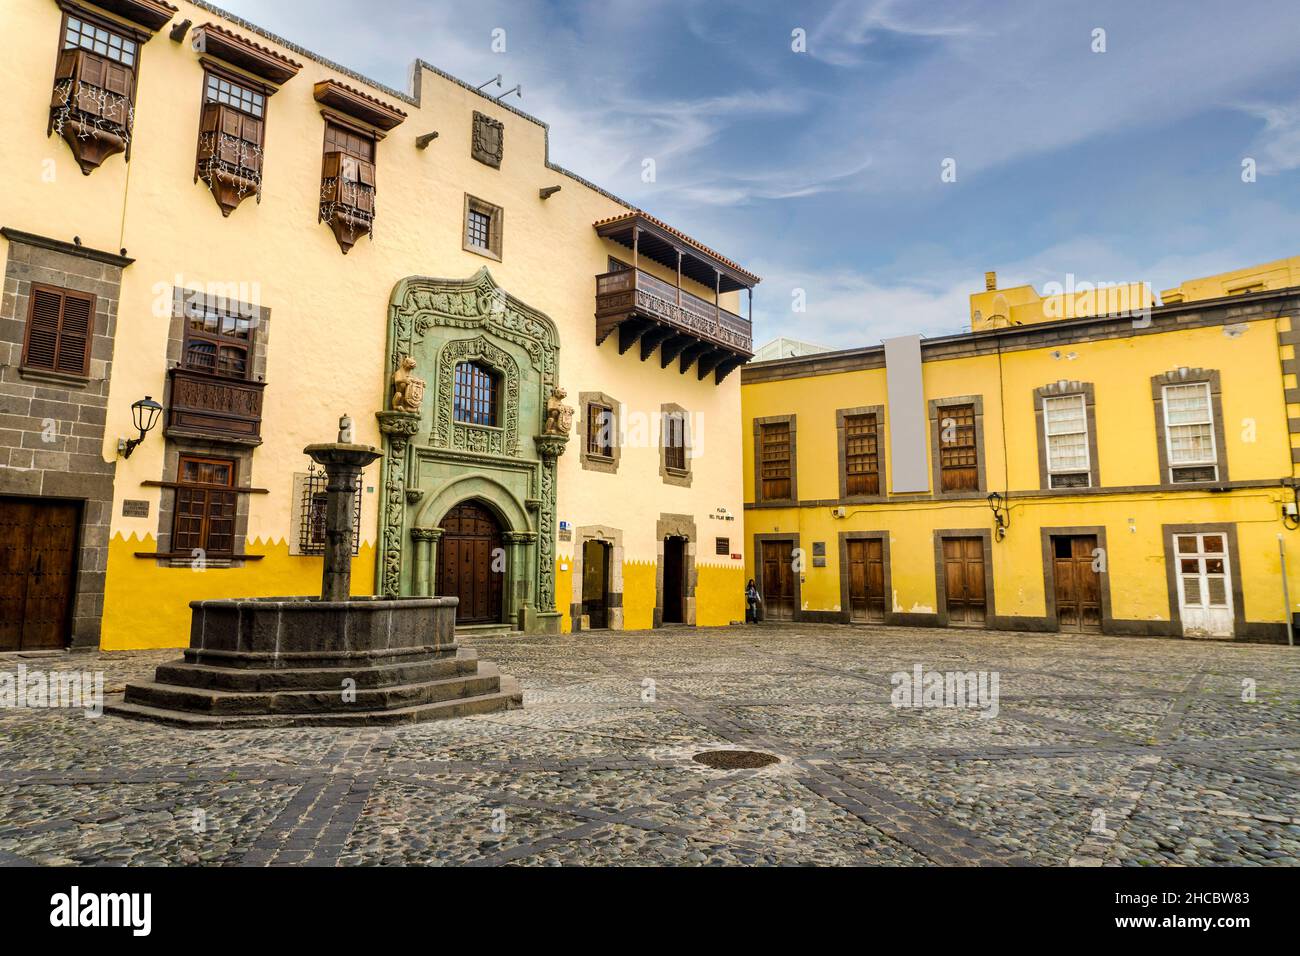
518, 90
496, 79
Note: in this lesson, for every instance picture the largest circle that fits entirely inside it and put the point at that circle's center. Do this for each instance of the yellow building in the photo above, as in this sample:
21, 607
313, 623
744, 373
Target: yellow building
1083, 460
260, 241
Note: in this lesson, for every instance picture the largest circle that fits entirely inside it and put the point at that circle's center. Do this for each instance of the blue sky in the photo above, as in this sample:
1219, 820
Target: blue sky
820, 170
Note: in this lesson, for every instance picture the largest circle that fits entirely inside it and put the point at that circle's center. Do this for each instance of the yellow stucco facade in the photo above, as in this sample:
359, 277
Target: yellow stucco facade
1129, 502
154, 229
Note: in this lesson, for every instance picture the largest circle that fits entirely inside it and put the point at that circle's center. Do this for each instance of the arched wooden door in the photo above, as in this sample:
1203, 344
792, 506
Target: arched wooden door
471, 563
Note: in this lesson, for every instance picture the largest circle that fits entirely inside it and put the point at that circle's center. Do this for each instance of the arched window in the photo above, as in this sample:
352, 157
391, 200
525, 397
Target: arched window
475, 399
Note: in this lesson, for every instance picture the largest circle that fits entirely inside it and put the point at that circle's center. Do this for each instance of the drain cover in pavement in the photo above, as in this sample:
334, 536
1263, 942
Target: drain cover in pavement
734, 759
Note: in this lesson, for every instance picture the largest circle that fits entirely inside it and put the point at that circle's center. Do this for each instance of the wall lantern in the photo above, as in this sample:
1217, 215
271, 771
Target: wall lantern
1001, 516
144, 415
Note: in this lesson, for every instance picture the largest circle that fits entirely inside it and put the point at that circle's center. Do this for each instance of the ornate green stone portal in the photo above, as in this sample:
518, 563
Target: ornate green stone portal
495, 459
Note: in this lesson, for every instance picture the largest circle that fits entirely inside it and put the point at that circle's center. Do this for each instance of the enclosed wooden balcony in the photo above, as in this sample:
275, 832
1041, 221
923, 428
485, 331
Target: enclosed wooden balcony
662, 317
211, 406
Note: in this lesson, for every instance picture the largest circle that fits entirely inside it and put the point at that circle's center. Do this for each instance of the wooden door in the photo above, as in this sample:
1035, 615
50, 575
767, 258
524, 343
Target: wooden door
1078, 584
964, 577
778, 581
38, 541
471, 563
595, 583
866, 580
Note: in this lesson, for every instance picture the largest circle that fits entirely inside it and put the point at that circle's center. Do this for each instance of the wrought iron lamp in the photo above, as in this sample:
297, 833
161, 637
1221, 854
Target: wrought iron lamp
1001, 515
144, 415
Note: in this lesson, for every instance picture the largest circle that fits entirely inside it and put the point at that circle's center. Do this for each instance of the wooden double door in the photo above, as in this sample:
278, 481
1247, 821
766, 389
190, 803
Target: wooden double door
38, 548
964, 581
778, 590
866, 580
472, 563
1077, 583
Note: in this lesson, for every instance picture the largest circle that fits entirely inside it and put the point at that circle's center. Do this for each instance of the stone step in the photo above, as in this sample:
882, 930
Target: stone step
440, 710
472, 632
233, 703
248, 680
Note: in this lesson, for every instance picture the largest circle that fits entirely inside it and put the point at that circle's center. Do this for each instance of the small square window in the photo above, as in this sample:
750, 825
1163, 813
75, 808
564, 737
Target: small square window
483, 222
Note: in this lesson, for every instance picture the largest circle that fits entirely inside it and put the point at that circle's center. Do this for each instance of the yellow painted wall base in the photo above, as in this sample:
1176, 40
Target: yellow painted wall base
147, 607
719, 595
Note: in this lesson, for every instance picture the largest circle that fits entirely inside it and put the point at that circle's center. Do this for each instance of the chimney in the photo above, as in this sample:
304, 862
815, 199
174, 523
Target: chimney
990, 281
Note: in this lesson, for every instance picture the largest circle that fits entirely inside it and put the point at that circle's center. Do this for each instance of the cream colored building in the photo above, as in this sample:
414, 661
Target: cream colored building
256, 238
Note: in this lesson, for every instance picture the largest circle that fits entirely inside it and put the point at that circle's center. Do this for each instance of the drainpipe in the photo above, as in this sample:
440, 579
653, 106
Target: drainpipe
1286, 594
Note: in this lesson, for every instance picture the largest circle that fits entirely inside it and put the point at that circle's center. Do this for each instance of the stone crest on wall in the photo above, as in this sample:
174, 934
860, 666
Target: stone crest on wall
488, 141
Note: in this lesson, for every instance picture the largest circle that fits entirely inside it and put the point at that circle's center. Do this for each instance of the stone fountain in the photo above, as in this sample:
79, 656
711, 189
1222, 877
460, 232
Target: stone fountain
334, 660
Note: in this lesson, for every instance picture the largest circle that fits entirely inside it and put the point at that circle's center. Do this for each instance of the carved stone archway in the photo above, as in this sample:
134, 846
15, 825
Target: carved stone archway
433, 461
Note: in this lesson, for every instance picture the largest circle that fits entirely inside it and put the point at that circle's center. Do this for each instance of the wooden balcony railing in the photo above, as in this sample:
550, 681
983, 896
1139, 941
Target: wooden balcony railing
213, 406
630, 291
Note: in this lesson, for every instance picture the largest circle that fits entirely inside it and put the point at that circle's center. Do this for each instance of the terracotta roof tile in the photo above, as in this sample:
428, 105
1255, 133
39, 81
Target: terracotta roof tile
699, 246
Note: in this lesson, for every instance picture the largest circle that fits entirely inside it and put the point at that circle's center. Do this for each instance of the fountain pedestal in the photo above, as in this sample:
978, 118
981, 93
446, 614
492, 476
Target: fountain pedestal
336, 659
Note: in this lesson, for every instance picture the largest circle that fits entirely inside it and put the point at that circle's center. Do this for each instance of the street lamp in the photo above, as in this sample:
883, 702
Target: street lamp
1001, 515
144, 415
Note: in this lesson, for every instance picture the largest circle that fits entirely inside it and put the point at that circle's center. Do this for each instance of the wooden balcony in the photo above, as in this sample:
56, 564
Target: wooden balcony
661, 316
211, 406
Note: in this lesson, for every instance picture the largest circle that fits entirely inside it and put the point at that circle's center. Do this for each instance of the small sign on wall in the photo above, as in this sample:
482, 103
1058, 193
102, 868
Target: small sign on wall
132, 508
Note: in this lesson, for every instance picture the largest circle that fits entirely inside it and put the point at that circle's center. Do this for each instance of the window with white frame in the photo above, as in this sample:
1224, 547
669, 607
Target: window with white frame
1065, 428
1189, 432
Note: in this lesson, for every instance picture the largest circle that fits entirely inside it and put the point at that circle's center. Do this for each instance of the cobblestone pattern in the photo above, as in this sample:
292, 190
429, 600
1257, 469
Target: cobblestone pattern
1104, 752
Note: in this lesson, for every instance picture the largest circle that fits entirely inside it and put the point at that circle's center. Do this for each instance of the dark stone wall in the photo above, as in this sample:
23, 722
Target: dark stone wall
52, 426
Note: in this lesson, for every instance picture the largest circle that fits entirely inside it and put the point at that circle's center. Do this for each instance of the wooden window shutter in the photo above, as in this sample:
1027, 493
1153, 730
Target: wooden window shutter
43, 329
74, 335
187, 527
67, 68
118, 80
366, 174
91, 73
251, 132
60, 326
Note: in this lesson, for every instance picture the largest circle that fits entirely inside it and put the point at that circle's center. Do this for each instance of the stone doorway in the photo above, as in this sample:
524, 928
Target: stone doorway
675, 580
595, 583
594, 547
471, 563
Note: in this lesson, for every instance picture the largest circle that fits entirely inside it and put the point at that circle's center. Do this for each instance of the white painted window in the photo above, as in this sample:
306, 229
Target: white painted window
1065, 430
1189, 431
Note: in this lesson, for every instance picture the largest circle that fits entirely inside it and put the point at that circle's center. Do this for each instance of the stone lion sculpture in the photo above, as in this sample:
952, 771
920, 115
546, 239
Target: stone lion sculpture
408, 391
559, 416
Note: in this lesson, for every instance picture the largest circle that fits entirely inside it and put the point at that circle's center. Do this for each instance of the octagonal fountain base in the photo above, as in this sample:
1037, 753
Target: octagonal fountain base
273, 662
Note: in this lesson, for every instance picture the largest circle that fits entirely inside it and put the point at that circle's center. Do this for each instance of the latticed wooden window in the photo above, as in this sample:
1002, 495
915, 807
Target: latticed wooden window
81, 34
675, 441
774, 461
205, 513
479, 229
600, 430
60, 325
861, 455
958, 454
218, 337
475, 395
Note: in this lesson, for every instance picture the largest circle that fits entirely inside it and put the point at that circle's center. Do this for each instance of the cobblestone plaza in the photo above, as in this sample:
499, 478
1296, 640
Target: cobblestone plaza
1103, 751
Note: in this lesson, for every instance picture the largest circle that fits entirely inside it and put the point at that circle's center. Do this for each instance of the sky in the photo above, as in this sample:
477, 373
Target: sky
809, 141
